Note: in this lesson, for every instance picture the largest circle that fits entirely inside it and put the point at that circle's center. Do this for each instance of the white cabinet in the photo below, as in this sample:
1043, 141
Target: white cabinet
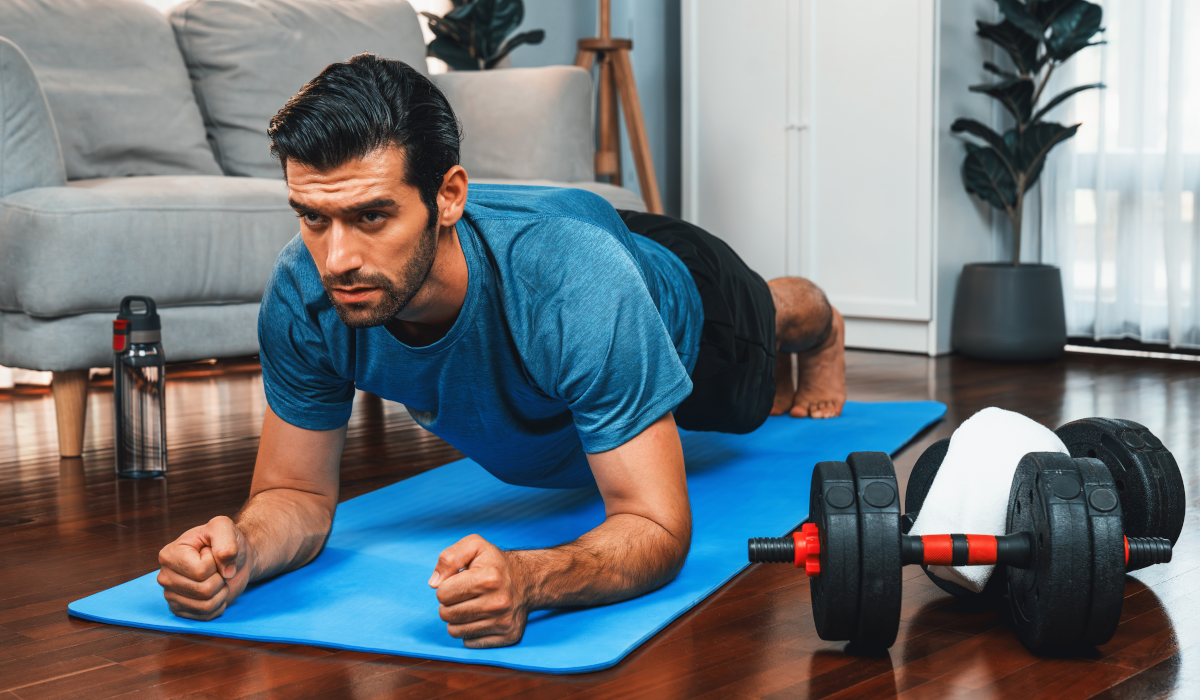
816, 142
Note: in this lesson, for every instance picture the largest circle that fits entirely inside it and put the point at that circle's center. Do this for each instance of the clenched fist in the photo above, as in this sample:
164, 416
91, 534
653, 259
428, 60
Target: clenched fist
482, 594
205, 569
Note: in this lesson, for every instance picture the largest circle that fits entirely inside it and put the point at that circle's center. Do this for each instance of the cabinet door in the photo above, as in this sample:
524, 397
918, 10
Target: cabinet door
808, 143
871, 81
740, 91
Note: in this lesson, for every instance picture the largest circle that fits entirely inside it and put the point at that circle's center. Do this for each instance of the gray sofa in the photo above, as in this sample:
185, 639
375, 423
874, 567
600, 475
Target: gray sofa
134, 159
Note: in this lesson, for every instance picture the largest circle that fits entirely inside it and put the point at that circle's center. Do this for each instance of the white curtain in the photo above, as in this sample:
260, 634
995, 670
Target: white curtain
1117, 201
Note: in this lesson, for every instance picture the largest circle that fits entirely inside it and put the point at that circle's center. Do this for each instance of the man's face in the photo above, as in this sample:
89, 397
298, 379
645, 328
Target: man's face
368, 232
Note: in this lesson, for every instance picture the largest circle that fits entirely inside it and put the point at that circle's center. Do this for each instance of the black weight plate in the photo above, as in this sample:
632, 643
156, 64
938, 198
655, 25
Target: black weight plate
1146, 475
1106, 522
835, 592
879, 547
919, 482
1065, 598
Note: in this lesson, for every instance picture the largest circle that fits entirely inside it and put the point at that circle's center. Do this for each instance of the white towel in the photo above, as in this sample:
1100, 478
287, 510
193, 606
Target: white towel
969, 495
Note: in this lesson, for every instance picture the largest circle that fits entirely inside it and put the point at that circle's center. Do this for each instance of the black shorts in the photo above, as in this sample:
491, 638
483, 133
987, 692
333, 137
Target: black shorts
733, 384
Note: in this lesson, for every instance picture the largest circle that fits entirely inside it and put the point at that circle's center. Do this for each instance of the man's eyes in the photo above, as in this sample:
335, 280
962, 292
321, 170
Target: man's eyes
314, 219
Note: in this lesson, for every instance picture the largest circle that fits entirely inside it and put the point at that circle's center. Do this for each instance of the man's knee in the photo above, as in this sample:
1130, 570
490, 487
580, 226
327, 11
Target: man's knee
803, 315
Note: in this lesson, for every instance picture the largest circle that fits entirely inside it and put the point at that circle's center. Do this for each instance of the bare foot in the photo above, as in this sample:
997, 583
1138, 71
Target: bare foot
785, 383
822, 376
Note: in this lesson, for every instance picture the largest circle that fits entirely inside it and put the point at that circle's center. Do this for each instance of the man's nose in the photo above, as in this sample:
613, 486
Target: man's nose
343, 254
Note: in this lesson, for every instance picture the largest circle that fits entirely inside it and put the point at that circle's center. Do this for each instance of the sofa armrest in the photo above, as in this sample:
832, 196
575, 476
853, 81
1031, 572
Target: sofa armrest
30, 155
524, 123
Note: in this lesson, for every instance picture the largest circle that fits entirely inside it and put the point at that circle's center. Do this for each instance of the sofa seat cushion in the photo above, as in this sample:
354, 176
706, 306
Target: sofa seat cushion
248, 57
116, 85
85, 340
181, 240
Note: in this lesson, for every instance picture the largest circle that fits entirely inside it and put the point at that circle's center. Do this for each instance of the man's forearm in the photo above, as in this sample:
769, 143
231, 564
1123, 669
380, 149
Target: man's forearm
625, 556
285, 529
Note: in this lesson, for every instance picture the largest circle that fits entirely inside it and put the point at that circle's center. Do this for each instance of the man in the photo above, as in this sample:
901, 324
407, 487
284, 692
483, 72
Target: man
528, 327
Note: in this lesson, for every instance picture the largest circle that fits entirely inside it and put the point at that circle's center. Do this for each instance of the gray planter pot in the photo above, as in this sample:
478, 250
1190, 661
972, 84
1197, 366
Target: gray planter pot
1009, 313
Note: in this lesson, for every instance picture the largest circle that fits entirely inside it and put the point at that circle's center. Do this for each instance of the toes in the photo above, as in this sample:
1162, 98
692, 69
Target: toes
816, 409
799, 410
826, 409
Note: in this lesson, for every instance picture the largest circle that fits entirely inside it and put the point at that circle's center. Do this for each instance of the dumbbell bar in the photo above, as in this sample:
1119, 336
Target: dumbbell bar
802, 548
1069, 593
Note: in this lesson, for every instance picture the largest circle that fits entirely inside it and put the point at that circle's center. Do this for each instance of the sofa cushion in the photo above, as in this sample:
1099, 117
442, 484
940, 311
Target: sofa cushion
248, 57
522, 123
116, 85
85, 340
29, 152
181, 240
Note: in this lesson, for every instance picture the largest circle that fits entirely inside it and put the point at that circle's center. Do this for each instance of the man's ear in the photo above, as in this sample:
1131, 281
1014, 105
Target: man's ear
452, 196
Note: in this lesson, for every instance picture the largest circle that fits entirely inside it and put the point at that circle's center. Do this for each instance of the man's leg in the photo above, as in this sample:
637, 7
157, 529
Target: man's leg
810, 330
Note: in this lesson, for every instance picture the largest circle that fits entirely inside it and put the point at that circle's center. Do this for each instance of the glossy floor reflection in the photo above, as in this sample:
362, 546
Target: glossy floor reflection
69, 528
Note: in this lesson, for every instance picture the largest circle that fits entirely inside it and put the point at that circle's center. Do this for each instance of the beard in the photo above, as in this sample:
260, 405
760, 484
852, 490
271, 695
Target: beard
396, 294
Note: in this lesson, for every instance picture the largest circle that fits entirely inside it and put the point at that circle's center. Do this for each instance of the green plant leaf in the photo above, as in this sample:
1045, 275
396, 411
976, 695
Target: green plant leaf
1016, 95
1072, 29
985, 176
1047, 10
1022, 18
1060, 97
448, 28
494, 20
1019, 46
1036, 142
531, 37
993, 68
996, 141
453, 53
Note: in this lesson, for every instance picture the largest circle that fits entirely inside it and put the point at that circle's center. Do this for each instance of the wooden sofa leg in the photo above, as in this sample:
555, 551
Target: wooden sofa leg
70, 391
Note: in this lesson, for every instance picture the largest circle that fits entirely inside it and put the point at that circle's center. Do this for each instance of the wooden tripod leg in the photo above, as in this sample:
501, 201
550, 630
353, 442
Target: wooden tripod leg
70, 391
608, 155
585, 59
639, 143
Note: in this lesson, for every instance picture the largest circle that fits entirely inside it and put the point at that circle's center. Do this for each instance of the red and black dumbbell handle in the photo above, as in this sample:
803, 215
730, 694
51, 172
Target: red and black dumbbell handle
803, 548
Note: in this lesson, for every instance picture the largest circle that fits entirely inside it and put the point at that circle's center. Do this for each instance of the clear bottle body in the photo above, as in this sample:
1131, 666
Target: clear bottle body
140, 411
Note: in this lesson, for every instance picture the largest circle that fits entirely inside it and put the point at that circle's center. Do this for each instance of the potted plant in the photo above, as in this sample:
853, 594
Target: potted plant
1015, 311
472, 35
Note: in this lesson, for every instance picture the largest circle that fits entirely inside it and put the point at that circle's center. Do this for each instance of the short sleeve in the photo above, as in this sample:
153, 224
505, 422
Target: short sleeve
301, 380
593, 335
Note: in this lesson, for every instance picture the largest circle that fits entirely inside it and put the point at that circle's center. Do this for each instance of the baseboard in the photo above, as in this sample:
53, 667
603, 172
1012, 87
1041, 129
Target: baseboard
887, 334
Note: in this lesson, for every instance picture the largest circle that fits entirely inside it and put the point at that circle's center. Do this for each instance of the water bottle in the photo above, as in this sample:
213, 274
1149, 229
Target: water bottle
139, 385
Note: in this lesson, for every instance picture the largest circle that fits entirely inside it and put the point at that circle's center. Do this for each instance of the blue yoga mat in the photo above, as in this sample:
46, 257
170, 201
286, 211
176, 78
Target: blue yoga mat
368, 590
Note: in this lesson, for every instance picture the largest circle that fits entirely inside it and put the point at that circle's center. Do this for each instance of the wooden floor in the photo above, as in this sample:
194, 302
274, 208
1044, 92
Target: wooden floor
68, 529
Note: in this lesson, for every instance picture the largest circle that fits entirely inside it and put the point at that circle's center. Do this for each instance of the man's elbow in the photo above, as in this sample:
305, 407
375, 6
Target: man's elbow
672, 552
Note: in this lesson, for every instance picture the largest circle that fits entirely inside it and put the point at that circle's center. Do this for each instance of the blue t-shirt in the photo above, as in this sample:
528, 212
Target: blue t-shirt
575, 336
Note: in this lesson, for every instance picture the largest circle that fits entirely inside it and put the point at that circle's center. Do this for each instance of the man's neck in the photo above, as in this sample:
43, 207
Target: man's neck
430, 315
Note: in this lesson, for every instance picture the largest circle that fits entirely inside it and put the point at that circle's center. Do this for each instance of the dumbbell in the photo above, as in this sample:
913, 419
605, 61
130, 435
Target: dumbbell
1145, 472
1065, 551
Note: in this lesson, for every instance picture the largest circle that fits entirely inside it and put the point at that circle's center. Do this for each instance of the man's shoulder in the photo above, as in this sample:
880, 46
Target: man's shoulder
535, 231
537, 202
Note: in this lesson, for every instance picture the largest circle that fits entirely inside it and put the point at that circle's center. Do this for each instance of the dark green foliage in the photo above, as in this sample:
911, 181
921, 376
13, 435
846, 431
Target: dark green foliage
472, 35
1037, 35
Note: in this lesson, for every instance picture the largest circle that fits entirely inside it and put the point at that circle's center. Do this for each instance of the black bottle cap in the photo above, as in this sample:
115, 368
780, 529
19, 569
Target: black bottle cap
147, 320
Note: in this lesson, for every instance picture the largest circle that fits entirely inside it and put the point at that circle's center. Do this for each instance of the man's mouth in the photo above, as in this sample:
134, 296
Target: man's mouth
353, 295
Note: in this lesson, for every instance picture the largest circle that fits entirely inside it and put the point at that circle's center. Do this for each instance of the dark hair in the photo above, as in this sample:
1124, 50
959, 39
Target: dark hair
355, 108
